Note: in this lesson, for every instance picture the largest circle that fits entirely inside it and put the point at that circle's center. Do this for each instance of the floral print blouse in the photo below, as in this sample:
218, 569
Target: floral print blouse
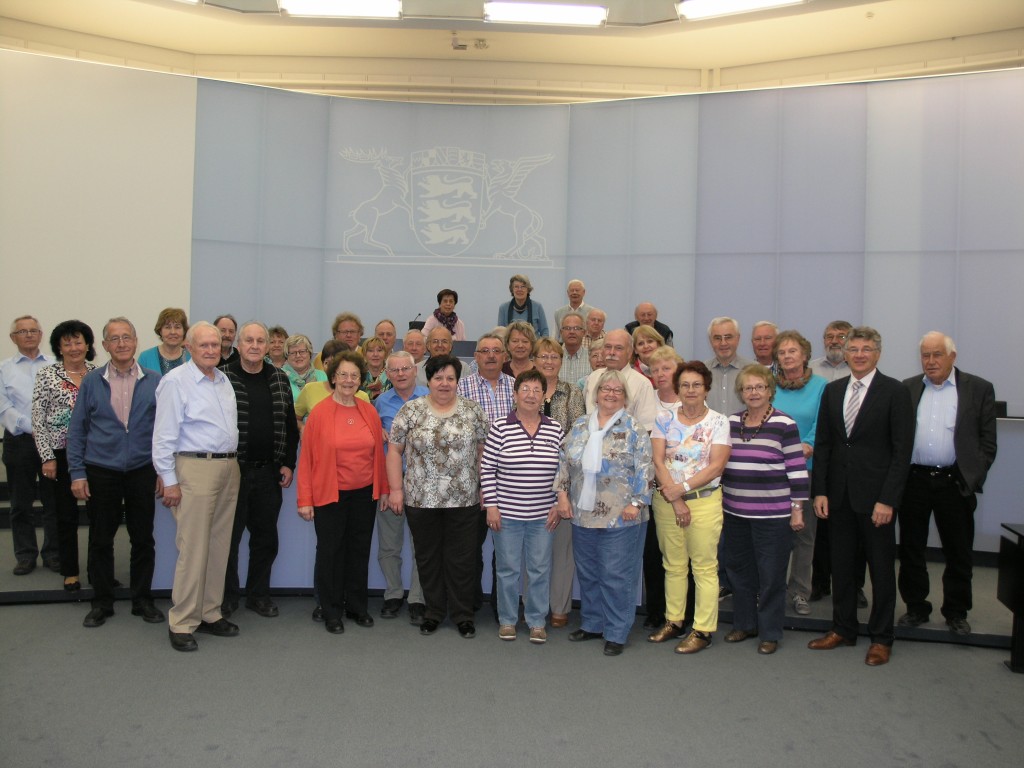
627, 473
53, 399
441, 452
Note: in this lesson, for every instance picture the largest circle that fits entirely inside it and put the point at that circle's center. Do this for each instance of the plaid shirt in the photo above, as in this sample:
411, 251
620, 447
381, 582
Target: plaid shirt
575, 367
496, 401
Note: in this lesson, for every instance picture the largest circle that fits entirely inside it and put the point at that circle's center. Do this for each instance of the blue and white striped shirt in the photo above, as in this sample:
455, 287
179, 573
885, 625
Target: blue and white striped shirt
517, 471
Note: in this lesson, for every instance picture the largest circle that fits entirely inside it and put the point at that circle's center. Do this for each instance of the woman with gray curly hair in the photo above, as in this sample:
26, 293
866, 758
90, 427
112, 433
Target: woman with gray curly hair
523, 308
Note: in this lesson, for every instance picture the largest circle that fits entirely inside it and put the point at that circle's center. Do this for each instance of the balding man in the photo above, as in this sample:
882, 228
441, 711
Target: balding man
948, 468
439, 343
415, 343
268, 440
575, 290
647, 314
725, 366
386, 332
762, 340
595, 328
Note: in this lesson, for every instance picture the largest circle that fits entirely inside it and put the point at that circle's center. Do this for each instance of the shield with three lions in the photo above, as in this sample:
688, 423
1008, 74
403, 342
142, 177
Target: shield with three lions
447, 186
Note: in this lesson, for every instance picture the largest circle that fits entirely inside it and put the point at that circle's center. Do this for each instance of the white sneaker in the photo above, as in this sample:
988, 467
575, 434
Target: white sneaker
800, 606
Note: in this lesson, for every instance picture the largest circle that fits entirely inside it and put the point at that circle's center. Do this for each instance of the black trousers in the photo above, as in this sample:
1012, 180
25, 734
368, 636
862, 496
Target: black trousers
25, 480
879, 543
654, 573
67, 516
110, 492
936, 491
344, 531
447, 553
258, 507
821, 562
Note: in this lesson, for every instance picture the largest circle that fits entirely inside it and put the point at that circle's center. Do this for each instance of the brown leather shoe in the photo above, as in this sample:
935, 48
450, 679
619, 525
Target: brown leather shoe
829, 641
667, 632
767, 647
878, 655
694, 643
559, 619
739, 635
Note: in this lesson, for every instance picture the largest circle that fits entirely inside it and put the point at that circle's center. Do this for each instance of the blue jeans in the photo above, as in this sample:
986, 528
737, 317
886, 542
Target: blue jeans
607, 568
520, 540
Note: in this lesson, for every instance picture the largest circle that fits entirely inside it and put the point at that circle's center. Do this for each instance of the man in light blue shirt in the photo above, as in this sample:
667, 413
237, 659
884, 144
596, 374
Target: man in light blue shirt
20, 457
401, 370
195, 444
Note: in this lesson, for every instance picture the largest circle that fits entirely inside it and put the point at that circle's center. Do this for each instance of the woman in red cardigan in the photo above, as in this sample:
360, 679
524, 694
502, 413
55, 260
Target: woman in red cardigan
341, 482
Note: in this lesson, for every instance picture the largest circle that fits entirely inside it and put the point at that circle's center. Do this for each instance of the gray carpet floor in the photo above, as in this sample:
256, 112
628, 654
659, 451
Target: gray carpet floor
286, 693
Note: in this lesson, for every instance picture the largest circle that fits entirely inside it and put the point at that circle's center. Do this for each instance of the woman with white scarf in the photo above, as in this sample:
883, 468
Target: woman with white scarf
604, 486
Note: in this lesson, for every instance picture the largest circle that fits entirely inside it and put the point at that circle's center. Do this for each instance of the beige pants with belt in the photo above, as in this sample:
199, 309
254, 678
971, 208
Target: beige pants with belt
205, 516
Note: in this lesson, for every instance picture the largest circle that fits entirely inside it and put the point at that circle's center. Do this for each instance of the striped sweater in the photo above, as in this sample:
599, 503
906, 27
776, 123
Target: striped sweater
517, 471
766, 472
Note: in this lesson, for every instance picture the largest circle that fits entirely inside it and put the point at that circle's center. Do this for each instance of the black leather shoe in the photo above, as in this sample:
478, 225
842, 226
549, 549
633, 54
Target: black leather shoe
416, 612
264, 606
53, 563
361, 619
183, 641
579, 635
910, 619
24, 567
429, 626
318, 614
228, 607
221, 628
613, 649
390, 608
97, 617
72, 586
149, 613
335, 627
467, 629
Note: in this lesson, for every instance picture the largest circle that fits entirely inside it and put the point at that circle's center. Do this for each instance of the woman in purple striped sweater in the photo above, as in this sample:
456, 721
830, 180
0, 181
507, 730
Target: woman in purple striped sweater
765, 485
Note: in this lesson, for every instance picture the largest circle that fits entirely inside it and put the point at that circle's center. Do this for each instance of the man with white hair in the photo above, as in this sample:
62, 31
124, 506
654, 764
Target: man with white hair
594, 328
947, 470
575, 290
647, 314
642, 404
762, 339
725, 366
195, 449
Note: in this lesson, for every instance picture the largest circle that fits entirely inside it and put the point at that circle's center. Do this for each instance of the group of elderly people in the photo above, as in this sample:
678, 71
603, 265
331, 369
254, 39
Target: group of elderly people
564, 485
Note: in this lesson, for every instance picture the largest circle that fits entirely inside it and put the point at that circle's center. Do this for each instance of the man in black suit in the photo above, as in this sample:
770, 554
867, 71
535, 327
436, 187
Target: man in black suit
948, 468
862, 455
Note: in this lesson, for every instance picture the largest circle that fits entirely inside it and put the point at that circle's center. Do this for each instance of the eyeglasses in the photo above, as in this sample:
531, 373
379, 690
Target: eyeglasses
403, 369
611, 390
26, 332
347, 376
688, 386
531, 391
118, 339
298, 352
571, 328
490, 351
751, 388
549, 358
835, 337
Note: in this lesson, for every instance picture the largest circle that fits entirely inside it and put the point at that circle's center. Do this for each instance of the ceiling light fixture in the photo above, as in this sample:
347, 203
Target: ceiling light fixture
350, 9
693, 10
544, 13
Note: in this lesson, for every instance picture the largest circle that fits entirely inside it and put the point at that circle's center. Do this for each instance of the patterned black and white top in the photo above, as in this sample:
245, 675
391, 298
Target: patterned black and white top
441, 449
53, 399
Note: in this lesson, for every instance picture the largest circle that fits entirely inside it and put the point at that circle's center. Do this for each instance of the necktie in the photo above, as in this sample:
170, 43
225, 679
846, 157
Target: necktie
853, 406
